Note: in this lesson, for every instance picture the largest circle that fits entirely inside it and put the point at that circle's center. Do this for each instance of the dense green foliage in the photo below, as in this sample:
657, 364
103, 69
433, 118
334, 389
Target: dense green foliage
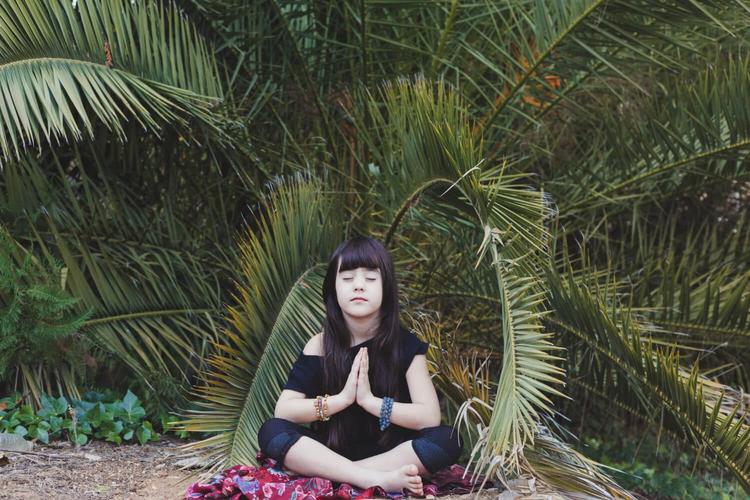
561, 184
78, 421
654, 465
38, 326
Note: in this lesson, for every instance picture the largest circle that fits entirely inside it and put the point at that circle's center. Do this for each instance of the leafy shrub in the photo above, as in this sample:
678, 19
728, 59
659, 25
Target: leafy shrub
78, 421
646, 472
37, 317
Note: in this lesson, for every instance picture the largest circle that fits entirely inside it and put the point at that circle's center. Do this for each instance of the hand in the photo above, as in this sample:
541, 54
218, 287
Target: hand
349, 392
364, 392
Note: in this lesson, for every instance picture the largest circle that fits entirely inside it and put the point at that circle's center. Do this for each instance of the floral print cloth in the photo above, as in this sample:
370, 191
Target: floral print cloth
268, 482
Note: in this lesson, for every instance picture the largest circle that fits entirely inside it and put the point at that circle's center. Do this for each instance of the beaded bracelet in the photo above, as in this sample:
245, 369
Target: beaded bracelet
385, 412
321, 407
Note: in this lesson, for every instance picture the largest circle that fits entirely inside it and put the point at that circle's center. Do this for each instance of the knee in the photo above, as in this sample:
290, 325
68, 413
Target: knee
273, 433
437, 447
447, 438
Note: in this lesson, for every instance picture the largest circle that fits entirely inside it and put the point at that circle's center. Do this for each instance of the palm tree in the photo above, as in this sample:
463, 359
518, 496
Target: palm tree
538, 185
557, 66
82, 82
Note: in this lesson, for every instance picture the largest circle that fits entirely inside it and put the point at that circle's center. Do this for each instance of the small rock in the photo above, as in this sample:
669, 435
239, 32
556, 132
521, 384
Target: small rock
92, 457
14, 442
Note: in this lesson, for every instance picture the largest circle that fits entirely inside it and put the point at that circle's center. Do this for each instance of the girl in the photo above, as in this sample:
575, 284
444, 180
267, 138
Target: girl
346, 380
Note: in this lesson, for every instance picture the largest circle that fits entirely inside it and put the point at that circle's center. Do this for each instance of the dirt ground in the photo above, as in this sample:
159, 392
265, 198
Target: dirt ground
96, 470
104, 470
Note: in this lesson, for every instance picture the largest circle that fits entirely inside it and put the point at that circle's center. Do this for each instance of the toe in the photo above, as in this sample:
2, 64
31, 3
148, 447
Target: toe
416, 490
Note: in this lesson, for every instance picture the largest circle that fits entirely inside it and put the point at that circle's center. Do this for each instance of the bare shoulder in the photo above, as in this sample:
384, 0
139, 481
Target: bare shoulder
314, 346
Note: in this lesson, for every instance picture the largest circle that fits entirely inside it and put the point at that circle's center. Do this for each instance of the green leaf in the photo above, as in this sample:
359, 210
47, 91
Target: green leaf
133, 411
95, 414
129, 401
26, 414
43, 435
144, 433
113, 437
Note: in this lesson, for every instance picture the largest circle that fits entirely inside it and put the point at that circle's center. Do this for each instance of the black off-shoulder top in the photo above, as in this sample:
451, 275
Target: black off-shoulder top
306, 376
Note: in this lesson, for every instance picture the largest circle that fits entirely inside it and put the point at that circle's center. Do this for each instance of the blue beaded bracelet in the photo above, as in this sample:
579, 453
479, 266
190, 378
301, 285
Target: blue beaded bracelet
385, 412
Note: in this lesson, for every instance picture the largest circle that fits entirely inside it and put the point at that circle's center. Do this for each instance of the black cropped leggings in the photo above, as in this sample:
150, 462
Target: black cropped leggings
436, 447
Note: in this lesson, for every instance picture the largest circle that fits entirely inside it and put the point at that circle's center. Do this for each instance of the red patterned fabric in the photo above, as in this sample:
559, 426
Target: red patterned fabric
268, 482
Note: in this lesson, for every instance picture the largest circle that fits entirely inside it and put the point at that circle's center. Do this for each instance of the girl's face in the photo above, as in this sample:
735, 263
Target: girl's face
359, 292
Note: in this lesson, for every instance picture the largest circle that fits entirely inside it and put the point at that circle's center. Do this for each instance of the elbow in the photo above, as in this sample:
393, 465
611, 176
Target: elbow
434, 422
280, 412
433, 419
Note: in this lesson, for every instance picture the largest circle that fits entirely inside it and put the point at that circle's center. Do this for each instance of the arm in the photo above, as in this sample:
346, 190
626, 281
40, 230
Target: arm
295, 407
423, 411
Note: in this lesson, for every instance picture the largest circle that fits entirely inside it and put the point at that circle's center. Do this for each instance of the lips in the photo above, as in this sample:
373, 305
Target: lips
358, 299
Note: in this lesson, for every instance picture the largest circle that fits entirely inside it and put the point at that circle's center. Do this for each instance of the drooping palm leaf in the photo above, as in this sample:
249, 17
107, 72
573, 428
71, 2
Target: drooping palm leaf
277, 308
466, 382
68, 68
422, 139
155, 300
653, 375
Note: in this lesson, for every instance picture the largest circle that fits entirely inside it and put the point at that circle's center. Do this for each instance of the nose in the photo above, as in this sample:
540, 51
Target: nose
359, 283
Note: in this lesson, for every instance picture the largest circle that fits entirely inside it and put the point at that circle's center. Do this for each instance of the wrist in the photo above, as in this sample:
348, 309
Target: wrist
343, 400
372, 405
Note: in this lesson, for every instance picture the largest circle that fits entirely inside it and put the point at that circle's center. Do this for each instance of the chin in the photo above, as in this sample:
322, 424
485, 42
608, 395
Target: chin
360, 312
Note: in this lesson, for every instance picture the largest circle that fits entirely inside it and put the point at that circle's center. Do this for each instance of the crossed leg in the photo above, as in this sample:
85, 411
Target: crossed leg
308, 457
398, 456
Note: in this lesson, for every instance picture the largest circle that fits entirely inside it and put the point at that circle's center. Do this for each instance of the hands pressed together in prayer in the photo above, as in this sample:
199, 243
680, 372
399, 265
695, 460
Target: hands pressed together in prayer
357, 387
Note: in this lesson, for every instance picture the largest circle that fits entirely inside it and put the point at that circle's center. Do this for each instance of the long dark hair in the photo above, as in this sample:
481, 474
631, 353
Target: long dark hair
384, 351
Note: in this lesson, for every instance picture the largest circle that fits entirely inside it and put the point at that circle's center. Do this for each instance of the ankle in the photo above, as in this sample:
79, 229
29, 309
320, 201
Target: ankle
374, 477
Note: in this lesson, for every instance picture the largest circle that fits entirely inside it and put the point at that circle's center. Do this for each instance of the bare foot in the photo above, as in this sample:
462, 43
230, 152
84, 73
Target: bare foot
403, 477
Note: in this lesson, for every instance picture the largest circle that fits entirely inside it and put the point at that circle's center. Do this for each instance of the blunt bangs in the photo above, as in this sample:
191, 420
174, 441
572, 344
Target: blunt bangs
361, 253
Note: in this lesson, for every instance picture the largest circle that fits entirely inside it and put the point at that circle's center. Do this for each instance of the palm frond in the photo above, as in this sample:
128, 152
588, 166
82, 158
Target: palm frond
653, 375
155, 300
528, 372
67, 70
688, 132
467, 384
422, 137
277, 308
